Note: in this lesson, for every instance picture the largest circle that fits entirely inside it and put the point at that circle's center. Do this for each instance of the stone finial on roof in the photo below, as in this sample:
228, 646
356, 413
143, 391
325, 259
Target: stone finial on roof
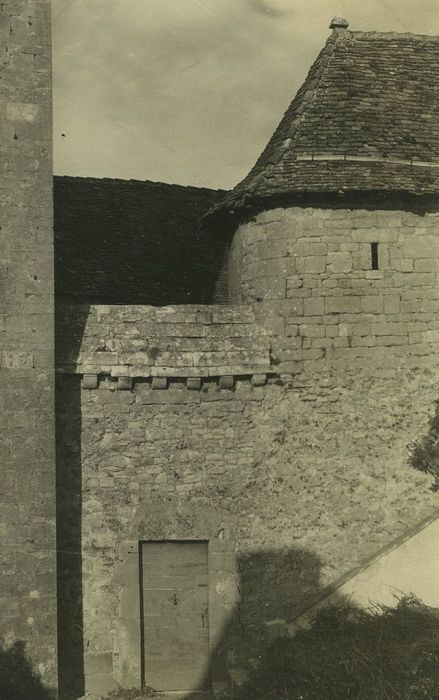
339, 23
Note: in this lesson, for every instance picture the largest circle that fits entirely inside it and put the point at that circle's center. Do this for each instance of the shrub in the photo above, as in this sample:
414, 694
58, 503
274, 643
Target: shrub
424, 454
378, 654
18, 679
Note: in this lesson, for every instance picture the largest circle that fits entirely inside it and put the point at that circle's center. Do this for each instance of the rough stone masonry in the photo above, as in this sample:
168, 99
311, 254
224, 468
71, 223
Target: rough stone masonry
276, 429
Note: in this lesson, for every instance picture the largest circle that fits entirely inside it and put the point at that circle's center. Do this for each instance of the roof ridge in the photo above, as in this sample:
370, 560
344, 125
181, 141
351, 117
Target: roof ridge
104, 179
391, 34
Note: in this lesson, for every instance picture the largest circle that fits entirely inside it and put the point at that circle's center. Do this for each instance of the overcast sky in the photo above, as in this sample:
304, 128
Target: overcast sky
190, 91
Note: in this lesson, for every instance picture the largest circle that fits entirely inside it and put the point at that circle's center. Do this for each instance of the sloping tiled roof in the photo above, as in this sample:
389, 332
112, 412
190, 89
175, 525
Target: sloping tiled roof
366, 118
134, 242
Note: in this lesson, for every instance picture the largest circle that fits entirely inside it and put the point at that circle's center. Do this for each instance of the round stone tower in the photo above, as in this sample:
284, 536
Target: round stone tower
336, 228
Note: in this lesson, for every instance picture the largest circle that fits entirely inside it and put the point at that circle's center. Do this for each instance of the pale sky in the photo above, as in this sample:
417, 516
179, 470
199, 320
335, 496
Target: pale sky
190, 91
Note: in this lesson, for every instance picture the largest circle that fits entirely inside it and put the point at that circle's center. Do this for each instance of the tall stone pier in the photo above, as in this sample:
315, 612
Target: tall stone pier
27, 435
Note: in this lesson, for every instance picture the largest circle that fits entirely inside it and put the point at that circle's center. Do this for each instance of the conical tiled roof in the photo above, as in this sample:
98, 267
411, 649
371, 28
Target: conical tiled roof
365, 119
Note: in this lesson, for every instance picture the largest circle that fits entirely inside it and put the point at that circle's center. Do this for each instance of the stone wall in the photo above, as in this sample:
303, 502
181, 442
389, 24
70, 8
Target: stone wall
175, 363
295, 481
27, 550
311, 271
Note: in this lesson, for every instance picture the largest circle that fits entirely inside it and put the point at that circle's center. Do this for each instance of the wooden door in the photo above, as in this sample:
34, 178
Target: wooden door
175, 615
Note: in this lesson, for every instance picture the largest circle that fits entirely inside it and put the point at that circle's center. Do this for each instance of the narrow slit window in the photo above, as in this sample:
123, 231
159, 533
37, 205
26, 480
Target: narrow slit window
374, 255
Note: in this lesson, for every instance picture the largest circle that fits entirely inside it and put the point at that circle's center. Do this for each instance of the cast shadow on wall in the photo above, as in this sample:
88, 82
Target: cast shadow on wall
18, 679
274, 588
345, 651
68, 517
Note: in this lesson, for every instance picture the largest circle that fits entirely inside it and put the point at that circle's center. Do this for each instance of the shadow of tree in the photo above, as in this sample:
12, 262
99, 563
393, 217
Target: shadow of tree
343, 651
18, 679
274, 587
382, 653
338, 651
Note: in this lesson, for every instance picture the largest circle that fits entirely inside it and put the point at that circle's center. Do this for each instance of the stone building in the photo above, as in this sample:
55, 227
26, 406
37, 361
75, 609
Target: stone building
234, 402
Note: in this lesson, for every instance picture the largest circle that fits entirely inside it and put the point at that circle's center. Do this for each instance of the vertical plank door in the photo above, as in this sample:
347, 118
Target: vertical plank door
175, 615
